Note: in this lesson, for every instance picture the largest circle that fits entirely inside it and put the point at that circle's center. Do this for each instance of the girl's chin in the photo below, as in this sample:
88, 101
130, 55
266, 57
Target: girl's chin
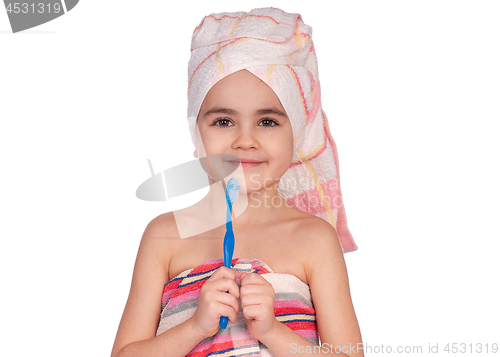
258, 190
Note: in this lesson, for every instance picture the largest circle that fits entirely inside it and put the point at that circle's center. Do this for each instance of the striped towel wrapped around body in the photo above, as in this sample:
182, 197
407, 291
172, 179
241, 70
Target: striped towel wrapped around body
293, 307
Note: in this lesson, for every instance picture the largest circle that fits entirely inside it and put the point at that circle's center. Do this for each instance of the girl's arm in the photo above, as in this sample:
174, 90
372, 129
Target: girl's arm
136, 334
335, 317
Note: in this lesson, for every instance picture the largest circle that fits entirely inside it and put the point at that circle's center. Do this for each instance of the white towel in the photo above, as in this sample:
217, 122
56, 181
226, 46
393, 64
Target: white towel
276, 47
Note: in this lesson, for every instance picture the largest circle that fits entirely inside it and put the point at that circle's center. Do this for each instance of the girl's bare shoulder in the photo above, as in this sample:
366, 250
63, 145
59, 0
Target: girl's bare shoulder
305, 225
160, 236
321, 250
162, 226
312, 234
296, 238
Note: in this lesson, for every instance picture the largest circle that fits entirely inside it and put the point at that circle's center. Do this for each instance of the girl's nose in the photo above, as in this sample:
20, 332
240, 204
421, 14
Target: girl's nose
246, 139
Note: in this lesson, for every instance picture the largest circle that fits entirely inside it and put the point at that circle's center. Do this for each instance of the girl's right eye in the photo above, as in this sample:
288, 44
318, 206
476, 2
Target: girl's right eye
224, 121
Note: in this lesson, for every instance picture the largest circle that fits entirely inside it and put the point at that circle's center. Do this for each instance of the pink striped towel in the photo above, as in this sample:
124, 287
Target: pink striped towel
293, 307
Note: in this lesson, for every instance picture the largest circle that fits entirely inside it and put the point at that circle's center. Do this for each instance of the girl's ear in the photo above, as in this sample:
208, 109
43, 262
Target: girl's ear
195, 153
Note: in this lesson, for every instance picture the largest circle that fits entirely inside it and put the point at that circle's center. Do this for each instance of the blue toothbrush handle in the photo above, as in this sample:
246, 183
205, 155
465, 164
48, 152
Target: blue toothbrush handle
228, 245
223, 322
228, 256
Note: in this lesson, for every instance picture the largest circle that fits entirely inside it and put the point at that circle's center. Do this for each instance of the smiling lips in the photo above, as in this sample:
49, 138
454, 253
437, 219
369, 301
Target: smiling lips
246, 163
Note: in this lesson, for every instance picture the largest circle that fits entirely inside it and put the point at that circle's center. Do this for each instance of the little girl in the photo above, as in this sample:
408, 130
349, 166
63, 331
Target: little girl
254, 97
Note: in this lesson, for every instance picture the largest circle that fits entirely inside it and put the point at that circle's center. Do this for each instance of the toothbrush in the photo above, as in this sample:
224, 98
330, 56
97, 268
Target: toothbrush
232, 192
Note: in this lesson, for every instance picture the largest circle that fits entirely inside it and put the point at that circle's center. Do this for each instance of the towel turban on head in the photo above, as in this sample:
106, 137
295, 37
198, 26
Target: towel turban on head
276, 47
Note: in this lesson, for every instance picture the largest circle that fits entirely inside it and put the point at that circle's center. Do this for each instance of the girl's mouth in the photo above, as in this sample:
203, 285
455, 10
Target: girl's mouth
245, 163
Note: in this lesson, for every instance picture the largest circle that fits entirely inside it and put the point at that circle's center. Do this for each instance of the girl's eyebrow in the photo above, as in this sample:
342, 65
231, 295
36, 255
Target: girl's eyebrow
227, 111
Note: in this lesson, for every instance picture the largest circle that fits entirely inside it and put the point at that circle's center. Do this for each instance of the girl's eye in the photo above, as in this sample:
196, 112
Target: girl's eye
269, 122
225, 122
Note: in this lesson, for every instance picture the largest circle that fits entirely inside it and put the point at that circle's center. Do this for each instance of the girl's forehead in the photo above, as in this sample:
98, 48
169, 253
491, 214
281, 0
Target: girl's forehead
242, 89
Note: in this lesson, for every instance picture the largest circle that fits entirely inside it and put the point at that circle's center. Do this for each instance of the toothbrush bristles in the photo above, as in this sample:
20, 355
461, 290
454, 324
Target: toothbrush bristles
232, 191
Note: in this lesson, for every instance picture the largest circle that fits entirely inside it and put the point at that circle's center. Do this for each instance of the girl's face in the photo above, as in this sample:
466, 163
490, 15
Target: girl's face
243, 117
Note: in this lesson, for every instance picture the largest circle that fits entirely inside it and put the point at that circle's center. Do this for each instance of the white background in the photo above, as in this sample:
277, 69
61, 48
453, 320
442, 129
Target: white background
411, 90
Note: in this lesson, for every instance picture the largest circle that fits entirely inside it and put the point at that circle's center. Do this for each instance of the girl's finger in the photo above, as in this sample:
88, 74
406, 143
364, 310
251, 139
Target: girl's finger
226, 285
230, 313
242, 274
256, 299
228, 300
223, 273
251, 312
252, 289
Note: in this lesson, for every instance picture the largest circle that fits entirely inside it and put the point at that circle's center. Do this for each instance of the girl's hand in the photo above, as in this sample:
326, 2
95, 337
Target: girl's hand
214, 302
257, 302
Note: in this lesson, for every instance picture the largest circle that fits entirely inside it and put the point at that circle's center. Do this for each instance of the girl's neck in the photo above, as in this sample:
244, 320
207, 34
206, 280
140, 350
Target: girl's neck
258, 208
251, 208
